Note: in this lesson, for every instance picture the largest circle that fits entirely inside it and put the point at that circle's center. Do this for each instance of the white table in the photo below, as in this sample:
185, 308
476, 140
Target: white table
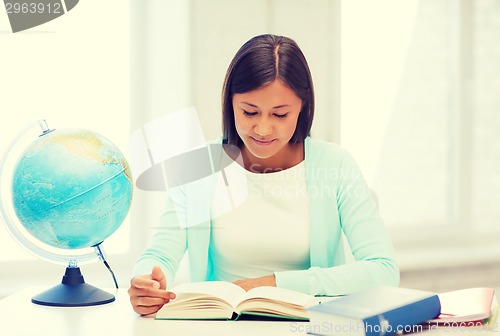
20, 317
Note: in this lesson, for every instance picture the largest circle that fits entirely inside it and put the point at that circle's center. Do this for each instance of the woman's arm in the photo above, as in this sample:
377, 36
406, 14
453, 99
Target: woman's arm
168, 244
247, 284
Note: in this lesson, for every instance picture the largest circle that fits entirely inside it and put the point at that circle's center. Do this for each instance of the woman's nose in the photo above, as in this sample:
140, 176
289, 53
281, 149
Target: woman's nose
264, 127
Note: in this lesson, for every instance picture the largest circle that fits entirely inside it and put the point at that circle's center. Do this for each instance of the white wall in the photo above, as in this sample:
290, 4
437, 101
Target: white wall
220, 27
75, 72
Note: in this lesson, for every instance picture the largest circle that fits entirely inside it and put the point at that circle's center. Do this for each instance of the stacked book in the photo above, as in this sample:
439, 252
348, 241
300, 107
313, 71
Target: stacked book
393, 310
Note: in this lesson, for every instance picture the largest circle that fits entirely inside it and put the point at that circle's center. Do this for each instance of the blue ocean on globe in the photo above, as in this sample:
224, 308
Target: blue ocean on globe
72, 188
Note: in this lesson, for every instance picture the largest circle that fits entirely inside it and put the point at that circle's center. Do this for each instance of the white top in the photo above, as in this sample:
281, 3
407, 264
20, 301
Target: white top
268, 231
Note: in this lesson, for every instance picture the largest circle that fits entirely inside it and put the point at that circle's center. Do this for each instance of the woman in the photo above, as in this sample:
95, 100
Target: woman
302, 194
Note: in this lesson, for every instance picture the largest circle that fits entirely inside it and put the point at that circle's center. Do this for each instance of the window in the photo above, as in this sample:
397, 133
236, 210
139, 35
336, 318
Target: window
421, 114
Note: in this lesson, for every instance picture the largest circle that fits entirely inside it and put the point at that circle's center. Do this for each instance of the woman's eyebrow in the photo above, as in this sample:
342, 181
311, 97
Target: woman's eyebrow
275, 107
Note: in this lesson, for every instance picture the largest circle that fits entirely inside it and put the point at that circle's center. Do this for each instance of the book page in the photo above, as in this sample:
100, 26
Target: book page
202, 300
275, 301
279, 294
226, 291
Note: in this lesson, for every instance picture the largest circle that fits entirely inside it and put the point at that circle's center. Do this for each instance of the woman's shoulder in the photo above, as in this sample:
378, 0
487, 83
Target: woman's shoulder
325, 158
321, 150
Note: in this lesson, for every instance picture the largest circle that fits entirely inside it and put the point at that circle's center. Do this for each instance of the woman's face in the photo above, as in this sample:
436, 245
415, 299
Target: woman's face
266, 119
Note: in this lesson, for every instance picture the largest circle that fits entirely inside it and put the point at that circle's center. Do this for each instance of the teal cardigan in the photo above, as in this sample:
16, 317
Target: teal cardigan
339, 201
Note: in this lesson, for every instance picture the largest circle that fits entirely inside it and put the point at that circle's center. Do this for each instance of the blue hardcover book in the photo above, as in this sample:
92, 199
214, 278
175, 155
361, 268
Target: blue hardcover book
377, 311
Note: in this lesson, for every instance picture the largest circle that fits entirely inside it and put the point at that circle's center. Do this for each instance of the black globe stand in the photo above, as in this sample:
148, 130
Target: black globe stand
73, 292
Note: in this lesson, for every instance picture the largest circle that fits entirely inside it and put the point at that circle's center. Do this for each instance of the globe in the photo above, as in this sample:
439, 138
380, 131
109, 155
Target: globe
72, 188
66, 191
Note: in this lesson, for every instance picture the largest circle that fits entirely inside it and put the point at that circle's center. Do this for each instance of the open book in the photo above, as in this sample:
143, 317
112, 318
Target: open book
225, 300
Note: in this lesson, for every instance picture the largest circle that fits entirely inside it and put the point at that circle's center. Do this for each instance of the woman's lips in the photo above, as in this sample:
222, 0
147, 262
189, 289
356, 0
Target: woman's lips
263, 142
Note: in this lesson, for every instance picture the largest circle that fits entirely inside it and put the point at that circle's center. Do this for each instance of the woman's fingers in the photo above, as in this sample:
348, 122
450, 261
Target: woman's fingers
147, 310
148, 301
143, 282
147, 292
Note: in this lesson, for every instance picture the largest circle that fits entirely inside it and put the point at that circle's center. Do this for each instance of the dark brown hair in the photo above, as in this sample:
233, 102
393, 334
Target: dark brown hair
258, 62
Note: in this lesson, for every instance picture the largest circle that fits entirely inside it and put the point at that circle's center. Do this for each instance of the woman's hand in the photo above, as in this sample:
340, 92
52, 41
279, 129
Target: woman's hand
268, 280
148, 292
